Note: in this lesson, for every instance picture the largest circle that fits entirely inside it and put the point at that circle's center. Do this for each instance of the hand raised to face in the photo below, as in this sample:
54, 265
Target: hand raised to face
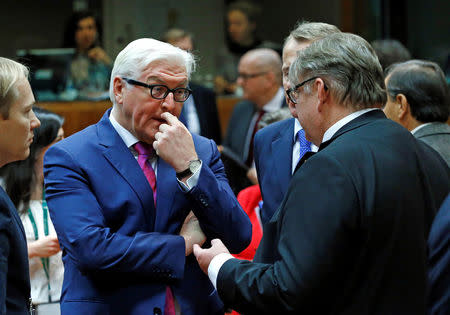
174, 144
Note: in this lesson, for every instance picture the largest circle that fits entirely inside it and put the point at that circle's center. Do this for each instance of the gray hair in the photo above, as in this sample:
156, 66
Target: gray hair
10, 72
138, 54
305, 31
349, 67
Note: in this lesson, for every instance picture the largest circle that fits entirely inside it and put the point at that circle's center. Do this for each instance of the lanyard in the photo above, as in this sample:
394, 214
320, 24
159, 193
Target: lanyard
45, 260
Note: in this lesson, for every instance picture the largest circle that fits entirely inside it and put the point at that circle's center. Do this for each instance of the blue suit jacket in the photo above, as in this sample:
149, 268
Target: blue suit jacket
14, 273
120, 252
273, 160
439, 262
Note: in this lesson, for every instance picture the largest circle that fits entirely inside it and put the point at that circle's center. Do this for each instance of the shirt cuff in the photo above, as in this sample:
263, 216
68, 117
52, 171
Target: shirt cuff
192, 181
215, 265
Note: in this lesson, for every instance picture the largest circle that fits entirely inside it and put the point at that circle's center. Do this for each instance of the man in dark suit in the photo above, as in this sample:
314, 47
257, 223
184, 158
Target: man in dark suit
350, 234
278, 147
199, 113
121, 205
260, 79
439, 262
17, 122
418, 99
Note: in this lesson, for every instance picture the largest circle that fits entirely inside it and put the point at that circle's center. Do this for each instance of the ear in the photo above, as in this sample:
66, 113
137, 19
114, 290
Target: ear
403, 109
323, 94
119, 86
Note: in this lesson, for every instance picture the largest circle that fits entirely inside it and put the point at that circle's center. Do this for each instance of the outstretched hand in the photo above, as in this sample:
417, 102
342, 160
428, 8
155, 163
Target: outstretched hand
204, 256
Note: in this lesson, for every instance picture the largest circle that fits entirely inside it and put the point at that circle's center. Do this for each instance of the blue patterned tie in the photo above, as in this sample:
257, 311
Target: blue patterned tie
305, 145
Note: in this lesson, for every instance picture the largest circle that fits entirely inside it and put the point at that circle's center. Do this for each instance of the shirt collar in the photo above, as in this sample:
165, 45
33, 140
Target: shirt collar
126, 136
334, 128
297, 127
420, 127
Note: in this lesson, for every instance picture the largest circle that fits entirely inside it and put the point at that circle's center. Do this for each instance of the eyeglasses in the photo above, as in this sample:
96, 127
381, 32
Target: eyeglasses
245, 76
160, 91
294, 94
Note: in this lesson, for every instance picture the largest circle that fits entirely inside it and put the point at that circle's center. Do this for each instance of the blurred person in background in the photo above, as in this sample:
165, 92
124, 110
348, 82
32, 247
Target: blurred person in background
241, 19
90, 68
418, 99
24, 183
199, 113
390, 51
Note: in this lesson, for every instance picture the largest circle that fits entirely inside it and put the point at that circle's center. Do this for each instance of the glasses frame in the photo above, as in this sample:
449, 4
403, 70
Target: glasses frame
289, 92
245, 77
151, 86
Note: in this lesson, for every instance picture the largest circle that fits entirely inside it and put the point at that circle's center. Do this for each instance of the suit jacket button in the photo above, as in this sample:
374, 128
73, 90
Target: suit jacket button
157, 311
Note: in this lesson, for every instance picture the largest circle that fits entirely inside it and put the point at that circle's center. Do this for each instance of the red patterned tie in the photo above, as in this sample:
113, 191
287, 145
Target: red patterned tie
146, 152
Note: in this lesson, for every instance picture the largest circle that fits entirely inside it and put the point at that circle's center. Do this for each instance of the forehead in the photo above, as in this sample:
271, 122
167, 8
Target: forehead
25, 95
88, 21
165, 70
291, 49
236, 16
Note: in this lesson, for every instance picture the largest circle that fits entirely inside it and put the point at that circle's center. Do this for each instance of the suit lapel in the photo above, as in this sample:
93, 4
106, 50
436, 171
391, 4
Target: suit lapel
282, 151
166, 188
123, 161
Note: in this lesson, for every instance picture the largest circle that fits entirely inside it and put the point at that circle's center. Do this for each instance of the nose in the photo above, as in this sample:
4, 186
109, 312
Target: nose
169, 103
35, 123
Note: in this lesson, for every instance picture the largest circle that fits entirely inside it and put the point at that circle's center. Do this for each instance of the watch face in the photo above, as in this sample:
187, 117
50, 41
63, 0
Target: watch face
194, 165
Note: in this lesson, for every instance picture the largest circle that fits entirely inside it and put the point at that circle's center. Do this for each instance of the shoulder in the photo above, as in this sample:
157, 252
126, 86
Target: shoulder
277, 127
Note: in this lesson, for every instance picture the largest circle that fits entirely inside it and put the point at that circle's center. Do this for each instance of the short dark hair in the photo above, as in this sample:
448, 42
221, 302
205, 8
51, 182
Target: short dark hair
390, 51
424, 85
72, 26
249, 9
19, 177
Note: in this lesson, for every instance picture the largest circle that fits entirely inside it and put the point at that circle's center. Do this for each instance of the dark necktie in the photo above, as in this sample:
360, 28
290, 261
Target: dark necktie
146, 152
249, 160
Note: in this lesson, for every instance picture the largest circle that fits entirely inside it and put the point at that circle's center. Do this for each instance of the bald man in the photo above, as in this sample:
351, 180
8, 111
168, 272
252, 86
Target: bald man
260, 78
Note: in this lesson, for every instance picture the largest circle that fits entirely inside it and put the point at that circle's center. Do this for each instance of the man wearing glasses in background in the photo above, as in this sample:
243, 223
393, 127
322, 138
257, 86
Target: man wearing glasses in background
130, 196
260, 79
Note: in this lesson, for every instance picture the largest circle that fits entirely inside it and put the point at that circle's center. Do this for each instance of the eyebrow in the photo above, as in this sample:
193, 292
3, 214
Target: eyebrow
158, 80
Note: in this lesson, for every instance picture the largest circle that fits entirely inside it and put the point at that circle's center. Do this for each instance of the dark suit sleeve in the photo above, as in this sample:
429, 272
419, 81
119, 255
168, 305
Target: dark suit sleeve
5, 222
218, 210
86, 238
307, 243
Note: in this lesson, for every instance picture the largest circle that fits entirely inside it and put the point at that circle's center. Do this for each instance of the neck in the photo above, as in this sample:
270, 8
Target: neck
265, 98
37, 192
411, 123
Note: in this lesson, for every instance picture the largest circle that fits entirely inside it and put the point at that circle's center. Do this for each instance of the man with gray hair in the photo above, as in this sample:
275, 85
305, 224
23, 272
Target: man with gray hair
130, 196
350, 234
418, 99
17, 122
260, 79
280, 146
